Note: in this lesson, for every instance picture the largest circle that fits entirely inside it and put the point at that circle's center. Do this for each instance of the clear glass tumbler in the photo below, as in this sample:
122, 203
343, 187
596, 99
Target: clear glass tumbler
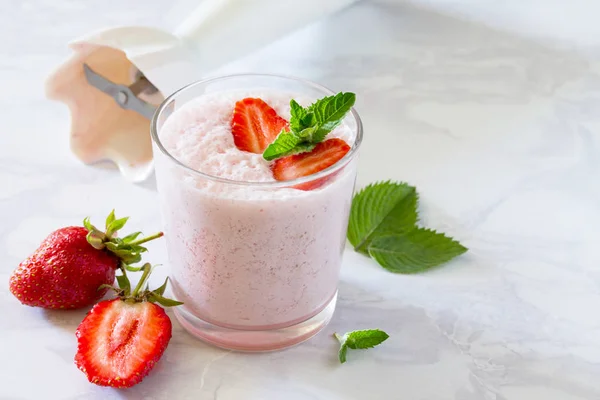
255, 263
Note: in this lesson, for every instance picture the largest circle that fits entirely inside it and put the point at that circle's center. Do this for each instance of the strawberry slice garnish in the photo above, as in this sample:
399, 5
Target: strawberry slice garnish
120, 340
324, 155
255, 124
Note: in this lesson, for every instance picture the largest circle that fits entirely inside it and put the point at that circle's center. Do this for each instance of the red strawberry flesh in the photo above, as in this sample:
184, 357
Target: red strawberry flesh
255, 125
323, 156
119, 342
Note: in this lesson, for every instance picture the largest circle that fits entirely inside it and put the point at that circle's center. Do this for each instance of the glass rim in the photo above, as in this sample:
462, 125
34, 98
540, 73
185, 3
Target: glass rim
271, 184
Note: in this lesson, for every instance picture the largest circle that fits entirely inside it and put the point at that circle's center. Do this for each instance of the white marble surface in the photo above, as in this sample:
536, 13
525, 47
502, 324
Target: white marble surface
497, 122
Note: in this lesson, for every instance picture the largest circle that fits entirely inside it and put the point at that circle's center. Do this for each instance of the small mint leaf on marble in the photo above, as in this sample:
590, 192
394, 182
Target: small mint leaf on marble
363, 339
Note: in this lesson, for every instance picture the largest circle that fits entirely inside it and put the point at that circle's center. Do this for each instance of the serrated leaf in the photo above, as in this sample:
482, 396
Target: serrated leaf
363, 339
282, 149
313, 134
382, 208
297, 113
330, 111
110, 219
282, 145
416, 251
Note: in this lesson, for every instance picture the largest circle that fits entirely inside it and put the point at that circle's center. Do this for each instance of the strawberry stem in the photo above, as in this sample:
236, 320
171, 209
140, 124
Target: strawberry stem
146, 239
147, 268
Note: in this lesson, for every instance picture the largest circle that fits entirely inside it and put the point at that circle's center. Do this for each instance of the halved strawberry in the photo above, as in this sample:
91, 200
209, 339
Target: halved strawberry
324, 155
120, 340
255, 125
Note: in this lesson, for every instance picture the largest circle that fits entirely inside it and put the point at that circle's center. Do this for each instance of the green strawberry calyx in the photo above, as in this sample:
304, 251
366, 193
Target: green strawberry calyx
127, 248
141, 292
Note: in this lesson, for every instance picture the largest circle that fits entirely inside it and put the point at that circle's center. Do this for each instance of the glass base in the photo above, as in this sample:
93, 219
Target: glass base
255, 341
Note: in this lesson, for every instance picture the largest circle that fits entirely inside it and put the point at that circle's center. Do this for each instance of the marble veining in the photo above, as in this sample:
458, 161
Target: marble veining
494, 113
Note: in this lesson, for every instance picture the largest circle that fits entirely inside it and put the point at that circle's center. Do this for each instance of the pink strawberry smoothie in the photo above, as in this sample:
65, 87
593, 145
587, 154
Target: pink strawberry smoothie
244, 256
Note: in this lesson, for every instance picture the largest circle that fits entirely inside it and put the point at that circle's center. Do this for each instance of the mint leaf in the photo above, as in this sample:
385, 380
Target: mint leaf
309, 126
299, 121
363, 339
416, 251
286, 144
330, 111
382, 208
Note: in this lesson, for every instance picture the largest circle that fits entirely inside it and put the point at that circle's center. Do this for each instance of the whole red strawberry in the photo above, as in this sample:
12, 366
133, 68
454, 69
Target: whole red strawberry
71, 264
120, 340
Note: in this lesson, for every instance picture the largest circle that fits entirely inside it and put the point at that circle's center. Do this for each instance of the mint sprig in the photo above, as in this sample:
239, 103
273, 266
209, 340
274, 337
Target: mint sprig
310, 125
383, 219
364, 339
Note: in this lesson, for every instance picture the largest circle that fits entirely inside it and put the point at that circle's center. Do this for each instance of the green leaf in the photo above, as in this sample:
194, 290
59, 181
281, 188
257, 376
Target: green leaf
380, 209
285, 148
330, 111
284, 143
309, 126
114, 247
87, 224
131, 268
363, 339
107, 286
314, 134
130, 238
298, 113
416, 251
127, 257
342, 353
115, 226
124, 284
96, 239
163, 301
161, 289
110, 219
